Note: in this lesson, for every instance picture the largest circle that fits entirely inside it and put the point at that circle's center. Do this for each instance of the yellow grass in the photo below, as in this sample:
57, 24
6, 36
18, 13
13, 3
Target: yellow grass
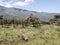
44, 35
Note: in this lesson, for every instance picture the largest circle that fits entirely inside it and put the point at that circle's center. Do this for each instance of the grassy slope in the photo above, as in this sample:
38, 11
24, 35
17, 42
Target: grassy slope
45, 35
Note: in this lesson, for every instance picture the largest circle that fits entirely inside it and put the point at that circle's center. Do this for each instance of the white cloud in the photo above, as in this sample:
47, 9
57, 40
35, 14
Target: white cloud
8, 5
19, 4
29, 1
5, 4
12, 3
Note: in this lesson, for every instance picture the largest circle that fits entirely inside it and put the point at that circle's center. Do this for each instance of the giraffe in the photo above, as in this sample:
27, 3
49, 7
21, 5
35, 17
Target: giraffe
31, 20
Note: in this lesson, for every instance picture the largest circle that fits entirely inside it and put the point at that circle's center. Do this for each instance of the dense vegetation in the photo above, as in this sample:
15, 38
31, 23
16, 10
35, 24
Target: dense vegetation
56, 20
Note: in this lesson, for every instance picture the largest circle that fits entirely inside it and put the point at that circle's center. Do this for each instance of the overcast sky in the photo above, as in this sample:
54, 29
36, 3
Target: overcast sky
34, 5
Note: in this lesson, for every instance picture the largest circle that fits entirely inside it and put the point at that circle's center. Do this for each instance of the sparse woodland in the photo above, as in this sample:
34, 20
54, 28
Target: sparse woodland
30, 31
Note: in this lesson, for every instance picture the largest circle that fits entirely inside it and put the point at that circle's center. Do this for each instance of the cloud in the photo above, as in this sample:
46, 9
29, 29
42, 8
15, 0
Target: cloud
13, 3
19, 4
8, 5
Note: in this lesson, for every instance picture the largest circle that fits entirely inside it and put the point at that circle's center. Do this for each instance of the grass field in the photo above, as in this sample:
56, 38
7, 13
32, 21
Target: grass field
44, 35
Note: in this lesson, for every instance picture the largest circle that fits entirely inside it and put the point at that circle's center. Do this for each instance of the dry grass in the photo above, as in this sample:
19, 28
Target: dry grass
44, 35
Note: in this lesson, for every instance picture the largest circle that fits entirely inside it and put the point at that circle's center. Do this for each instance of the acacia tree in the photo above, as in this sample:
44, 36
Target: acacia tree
55, 20
1, 18
57, 16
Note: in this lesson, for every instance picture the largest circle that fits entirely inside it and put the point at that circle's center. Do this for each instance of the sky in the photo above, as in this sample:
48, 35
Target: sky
51, 6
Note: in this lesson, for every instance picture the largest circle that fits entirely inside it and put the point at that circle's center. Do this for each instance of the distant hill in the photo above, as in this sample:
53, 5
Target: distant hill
22, 13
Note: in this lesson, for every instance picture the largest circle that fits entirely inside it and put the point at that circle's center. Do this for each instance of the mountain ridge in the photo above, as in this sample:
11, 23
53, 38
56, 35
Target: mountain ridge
22, 13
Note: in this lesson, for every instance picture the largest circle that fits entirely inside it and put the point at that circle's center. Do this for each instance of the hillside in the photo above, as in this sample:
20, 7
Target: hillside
22, 13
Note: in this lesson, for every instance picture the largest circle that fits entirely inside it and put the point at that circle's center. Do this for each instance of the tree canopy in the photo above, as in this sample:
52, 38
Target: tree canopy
57, 16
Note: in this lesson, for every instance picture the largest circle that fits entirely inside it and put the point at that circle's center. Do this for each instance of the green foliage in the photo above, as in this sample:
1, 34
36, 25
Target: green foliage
1, 16
56, 20
57, 16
